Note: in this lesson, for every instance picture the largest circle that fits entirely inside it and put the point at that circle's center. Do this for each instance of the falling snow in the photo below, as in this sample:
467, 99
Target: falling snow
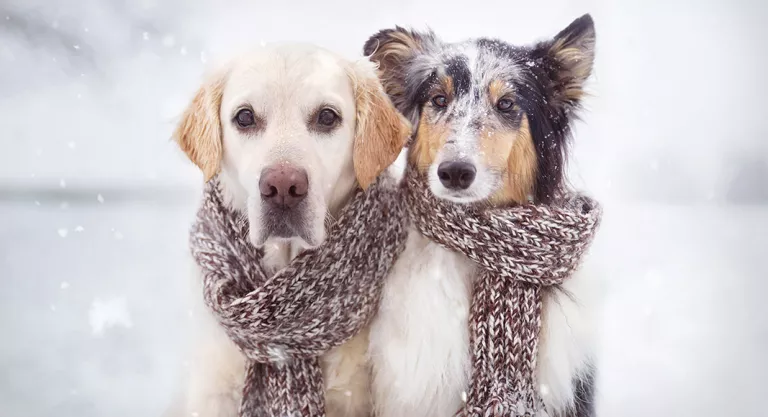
676, 297
64, 285
108, 313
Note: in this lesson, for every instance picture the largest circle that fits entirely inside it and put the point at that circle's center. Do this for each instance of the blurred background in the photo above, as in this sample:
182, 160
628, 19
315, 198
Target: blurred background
96, 201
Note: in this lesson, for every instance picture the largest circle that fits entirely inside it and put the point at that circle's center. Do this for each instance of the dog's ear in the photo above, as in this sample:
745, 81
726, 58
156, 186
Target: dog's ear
199, 132
573, 52
394, 51
380, 131
560, 71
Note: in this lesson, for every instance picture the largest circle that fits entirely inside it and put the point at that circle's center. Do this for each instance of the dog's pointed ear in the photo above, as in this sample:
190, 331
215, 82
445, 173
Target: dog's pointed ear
393, 51
573, 52
380, 131
199, 131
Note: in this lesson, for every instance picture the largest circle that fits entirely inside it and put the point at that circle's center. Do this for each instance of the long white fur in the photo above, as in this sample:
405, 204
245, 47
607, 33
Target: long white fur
283, 83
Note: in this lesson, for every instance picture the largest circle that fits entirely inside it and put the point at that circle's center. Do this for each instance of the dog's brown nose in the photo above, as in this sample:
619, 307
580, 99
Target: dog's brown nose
283, 185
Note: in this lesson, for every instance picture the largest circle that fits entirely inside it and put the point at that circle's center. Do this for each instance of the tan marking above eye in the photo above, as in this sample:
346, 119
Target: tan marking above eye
446, 82
497, 89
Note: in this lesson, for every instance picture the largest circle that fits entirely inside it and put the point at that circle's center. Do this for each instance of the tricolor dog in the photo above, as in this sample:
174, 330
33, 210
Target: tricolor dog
492, 123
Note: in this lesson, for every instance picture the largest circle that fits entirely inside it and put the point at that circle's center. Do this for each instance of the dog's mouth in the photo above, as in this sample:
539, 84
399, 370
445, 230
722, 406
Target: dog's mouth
282, 223
283, 211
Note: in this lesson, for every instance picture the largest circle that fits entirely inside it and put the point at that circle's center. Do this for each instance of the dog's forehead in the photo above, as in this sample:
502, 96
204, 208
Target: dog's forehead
302, 75
323, 70
474, 64
289, 66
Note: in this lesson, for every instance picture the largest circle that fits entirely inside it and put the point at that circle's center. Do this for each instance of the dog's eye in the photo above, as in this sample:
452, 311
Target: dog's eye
440, 101
327, 117
504, 105
245, 118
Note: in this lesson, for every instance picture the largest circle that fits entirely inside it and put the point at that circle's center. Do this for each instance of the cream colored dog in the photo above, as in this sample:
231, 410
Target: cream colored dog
291, 130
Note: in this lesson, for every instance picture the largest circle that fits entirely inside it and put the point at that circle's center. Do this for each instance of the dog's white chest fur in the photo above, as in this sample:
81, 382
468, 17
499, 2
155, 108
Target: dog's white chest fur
419, 341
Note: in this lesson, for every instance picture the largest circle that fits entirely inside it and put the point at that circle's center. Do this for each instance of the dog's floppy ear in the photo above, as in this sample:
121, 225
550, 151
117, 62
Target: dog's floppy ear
380, 131
393, 51
199, 132
573, 51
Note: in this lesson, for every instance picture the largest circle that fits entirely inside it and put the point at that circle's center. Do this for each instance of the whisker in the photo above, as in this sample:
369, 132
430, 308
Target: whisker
329, 220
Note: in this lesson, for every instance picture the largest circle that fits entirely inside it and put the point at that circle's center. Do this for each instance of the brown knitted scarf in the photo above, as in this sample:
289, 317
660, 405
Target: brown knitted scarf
284, 322
519, 251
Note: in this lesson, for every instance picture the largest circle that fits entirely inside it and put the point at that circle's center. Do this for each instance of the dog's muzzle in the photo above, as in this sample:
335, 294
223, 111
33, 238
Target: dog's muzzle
284, 189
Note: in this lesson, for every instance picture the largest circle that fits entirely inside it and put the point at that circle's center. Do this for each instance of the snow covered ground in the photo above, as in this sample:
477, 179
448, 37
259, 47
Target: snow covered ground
95, 201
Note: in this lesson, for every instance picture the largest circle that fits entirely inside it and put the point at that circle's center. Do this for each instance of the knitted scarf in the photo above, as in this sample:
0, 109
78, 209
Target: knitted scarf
519, 251
283, 323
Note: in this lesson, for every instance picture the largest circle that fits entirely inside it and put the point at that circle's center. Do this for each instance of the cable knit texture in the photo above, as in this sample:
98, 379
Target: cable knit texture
283, 323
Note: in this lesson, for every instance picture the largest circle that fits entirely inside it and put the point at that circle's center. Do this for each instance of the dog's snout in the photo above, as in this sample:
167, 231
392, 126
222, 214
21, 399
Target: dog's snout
283, 185
456, 175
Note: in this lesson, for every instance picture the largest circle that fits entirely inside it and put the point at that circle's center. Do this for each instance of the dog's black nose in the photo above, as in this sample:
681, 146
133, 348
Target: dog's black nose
283, 185
456, 175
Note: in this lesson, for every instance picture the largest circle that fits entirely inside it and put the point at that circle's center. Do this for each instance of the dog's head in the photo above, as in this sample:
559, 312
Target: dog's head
492, 119
291, 130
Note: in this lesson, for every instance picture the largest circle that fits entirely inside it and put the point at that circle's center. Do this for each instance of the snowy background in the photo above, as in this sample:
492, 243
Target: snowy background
95, 200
